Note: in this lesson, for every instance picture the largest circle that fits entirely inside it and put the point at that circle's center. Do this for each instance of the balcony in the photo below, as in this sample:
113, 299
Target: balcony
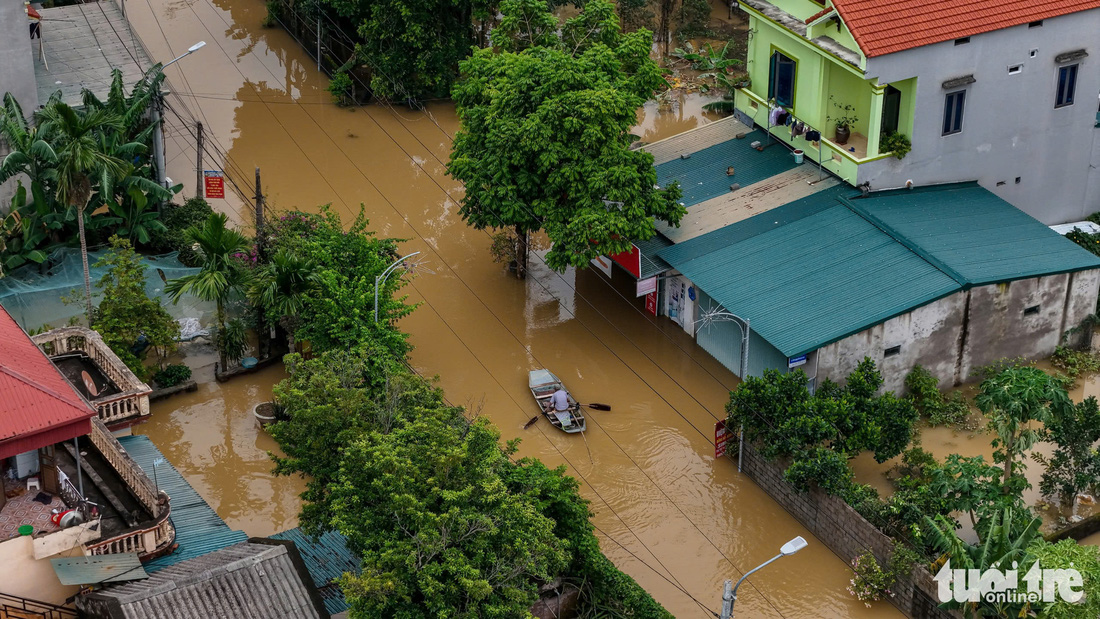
120, 398
122, 510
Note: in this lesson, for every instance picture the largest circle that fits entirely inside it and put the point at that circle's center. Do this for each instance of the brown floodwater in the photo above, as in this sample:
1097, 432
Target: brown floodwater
667, 512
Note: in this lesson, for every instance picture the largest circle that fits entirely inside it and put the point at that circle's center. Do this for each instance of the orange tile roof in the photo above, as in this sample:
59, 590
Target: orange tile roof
38, 406
822, 13
886, 26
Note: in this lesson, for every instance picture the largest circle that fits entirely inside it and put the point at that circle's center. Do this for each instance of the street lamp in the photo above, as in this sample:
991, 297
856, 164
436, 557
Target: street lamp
730, 596
722, 315
381, 279
158, 136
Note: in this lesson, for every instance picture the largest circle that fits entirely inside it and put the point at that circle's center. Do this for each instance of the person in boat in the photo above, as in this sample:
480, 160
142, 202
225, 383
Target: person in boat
558, 402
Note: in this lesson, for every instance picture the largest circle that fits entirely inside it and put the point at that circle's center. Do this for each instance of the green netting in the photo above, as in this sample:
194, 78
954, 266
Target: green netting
32, 294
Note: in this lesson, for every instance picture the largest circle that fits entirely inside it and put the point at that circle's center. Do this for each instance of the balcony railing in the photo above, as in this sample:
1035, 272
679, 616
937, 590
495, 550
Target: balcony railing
17, 608
132, 403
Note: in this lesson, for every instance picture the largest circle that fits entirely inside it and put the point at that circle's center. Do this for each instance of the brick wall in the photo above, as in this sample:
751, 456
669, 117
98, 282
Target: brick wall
845, 532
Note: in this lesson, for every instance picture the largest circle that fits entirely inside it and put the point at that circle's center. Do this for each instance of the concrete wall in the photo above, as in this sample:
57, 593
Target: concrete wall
954, 335
846, 533
1010, 125
16, 74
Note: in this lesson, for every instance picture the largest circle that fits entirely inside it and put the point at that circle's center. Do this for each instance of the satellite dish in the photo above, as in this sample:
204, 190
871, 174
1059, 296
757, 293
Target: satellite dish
89, 384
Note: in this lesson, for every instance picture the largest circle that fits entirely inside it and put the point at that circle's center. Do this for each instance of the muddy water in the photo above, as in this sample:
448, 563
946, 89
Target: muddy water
669, 514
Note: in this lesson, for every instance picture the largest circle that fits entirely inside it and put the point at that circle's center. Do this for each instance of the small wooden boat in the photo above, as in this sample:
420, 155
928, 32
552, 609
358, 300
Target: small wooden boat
543, 384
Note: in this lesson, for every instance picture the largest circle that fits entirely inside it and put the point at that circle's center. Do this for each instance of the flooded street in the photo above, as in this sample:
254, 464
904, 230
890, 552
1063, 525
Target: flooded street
666, 511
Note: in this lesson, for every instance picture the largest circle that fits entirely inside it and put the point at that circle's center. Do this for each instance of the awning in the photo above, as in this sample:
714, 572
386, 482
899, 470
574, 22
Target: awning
98, 569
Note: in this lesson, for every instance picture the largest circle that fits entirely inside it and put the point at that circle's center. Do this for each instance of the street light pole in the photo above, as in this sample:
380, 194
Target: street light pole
729, 596
381, 279
158, 135
742, 324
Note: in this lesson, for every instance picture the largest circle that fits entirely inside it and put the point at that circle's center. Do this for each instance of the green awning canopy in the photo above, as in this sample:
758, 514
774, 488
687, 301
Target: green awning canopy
96, 569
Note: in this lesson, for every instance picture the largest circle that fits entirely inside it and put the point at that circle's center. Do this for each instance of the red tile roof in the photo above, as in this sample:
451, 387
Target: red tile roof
38, 406
822, 13
887, 26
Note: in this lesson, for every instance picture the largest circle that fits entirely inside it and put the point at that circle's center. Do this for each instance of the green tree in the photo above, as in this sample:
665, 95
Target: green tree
280, 288
1014, 400
545, 142
220, 274
1074, 467
971, 485
1068, 554
126, 311
81, 162
439, 532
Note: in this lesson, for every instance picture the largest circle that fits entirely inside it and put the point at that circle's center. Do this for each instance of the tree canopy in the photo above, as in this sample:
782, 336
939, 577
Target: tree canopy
545, 137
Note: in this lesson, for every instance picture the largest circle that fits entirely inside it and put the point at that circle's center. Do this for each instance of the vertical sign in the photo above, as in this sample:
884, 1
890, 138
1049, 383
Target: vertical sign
602, 263
214, 183
630, 260
651, 303
721, 437
646, 286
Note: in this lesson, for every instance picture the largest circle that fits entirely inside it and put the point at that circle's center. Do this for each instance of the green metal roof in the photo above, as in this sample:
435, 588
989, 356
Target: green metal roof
96, 569
652, 264
199, 529
813, 280
827, 266
972, 234
702, 176
327, 558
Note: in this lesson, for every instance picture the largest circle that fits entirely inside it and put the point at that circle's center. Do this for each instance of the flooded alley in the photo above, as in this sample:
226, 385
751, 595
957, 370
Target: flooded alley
666, 511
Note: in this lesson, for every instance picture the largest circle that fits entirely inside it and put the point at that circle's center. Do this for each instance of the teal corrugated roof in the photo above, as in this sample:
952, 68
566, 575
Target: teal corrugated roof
199, 529
96, 569
652, 264
326, 558
703, 175
813, 280
968, 230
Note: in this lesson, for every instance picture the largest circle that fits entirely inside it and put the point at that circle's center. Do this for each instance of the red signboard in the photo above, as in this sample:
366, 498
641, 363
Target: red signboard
213, 183
630, 260
651, 303
721, 437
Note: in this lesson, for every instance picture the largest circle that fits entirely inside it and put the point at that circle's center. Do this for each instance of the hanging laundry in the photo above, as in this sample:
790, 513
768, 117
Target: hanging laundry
790, 120
784, 115
813, 136
797, 129
773, 116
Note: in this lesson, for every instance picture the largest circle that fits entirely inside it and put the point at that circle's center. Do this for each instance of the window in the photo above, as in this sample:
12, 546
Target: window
1034, 53
953, 112
1067, 83
1015, 69
893, 350
781, 80
1031, 311
1035, 24
1018, 179
962, 41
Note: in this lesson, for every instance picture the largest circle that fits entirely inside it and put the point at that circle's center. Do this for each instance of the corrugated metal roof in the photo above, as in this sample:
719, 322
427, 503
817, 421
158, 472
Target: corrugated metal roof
968, 230
245, 581
703, 175
827, 266
38, 406
96, 569
821, 273
326, 558
652, 264
696, 139
199, 529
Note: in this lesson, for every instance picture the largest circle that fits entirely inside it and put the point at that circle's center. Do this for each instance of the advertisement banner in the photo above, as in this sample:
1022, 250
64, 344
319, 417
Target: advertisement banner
721, 437
651, 303
603, 263
630, 260
646, 286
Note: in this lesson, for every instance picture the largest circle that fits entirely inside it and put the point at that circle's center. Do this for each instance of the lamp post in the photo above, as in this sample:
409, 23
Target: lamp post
381, 279
729, 596
712, 315
158, 135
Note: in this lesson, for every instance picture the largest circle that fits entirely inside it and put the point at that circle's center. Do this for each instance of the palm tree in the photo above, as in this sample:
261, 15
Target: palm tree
81, 162
281, 288
220, 274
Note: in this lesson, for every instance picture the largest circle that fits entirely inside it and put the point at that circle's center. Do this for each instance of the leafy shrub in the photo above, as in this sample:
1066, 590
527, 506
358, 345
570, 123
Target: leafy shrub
274, 12
233, 340
177, 219
896, 143
172, 375
822, 467
924, 393
1074, 362
694, 16
340, 88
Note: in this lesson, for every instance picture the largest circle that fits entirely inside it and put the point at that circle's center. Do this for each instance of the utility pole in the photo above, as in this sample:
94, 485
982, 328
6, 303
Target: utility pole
259, 210
199, 190
318, 38
727, 600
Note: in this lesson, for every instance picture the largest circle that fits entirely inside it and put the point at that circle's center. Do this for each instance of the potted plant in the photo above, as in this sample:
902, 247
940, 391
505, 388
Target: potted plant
896, 143
845, 117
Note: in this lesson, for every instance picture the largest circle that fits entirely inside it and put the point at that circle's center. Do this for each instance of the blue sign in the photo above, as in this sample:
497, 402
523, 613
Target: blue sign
794, 362
691, 292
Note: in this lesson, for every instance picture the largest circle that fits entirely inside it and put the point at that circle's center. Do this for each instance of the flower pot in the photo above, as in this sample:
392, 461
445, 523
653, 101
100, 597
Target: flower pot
842, 135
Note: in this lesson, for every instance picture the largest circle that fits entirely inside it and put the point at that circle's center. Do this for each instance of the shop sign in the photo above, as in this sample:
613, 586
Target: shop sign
213, 183
721, 438
651, 303
646, 286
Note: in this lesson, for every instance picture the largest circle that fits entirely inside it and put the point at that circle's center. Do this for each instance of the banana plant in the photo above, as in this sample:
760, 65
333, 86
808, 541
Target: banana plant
21, 237
132, 209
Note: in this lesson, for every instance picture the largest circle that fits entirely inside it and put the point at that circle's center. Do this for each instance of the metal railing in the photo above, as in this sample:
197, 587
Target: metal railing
17, 607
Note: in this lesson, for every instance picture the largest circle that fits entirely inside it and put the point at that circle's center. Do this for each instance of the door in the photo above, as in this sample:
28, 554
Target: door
781, 80
891, 110
47, 474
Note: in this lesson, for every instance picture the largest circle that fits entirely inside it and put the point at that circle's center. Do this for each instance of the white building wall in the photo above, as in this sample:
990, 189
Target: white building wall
1010, 127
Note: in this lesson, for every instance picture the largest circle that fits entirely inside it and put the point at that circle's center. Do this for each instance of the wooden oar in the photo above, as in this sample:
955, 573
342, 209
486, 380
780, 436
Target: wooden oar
590, 460
532, 422
597, 406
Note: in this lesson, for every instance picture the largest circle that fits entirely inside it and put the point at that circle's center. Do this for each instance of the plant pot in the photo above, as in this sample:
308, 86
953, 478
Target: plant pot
265, 413
842, 135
